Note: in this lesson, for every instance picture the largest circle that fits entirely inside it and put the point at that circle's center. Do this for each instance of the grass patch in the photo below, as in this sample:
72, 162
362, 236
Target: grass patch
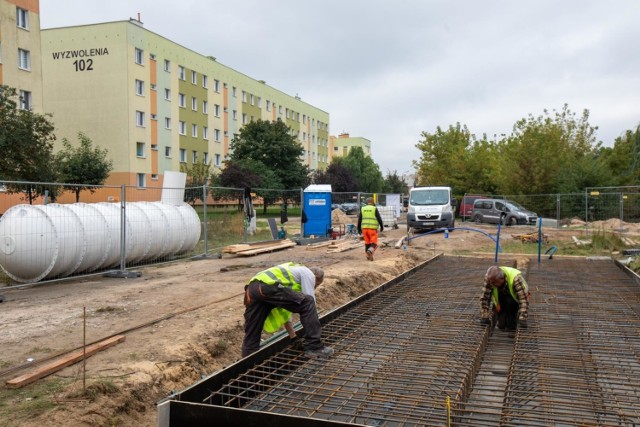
29, 402
93, 391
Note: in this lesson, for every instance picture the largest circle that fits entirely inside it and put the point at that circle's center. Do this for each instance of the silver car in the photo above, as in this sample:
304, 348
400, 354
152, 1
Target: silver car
506, 212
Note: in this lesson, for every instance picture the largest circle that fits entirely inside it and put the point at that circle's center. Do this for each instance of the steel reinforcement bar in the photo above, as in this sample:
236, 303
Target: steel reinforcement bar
412, 353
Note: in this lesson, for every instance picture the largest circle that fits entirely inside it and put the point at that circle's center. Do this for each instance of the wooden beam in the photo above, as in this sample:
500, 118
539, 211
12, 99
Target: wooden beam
67, 360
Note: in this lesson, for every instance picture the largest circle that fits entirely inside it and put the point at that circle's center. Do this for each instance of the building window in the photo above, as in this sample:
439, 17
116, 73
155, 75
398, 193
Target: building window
205, 158
205, 107
216, 135
194, 131
205, 81
154, 177
167, 152
235, 115
259, 102
167, 65
167, 122
194, 77
183, 128
216, 110
140, 118
22, 18
217, 159
304, 119
244, 118
142, 180
183, 155
251, 98
244, 96
233, 91
182, 100
24, 59
140, 149
139, 87
182, 75
194, 157
216, 86
268, 105
205, 132
167, 94
154, 147
194, 103
139, 54
25, 100
280, 110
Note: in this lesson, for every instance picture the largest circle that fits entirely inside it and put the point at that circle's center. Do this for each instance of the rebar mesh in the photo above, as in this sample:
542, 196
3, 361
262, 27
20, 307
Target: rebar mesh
401, 353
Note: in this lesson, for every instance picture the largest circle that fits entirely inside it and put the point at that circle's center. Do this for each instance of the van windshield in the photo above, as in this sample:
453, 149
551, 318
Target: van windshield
513, 206
429, 197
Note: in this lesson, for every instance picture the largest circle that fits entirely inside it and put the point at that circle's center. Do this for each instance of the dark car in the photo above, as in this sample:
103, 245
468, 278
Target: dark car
494, 211
466, 205
350, 208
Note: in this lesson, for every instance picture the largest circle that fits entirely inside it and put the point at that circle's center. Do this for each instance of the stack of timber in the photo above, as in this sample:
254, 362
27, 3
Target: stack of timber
530, 237
249, 249
344, 245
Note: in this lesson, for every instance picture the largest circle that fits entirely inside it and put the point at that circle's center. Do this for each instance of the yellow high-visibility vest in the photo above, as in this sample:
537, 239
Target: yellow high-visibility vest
369, 219
278, 275
509, 274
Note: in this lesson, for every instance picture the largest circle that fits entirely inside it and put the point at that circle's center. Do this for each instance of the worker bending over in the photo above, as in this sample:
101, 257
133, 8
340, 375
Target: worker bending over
272, 295
368, 221
508, 291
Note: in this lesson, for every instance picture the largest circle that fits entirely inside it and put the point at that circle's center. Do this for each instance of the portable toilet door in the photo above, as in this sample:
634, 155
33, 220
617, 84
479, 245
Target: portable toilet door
317, 209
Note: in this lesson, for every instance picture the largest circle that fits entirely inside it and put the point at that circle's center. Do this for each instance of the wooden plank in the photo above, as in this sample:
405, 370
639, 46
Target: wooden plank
285, 244
240, 247
68, 360
343, 248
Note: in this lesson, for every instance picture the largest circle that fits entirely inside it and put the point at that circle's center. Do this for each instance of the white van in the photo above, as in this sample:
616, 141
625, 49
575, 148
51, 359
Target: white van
430, 208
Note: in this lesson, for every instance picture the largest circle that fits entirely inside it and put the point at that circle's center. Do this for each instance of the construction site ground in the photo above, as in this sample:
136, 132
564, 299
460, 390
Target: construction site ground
183, 321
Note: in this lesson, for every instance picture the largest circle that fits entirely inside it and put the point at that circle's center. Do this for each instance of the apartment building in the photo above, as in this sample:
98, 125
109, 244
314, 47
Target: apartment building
341, 145
20, 65
154, 104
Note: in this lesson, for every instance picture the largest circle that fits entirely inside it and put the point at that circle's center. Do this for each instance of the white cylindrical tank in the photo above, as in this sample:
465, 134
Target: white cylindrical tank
54, 240
96, 236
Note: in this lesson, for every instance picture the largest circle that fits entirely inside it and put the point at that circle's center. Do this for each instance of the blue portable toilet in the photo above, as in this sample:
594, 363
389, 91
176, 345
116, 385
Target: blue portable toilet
317, 208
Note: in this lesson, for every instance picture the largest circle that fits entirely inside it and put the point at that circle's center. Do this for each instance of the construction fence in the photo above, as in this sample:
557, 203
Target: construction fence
49, 231
594, 204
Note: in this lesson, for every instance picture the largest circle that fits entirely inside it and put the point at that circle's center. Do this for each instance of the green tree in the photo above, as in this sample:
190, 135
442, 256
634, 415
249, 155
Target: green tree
551, 153
198, 175
26, 146
338, 176
444, 156
84, 166
393, 183
623, 159
364, 169
271, 147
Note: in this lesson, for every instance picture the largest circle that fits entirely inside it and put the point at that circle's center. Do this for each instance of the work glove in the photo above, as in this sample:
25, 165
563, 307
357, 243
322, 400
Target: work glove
382, 228
522, 323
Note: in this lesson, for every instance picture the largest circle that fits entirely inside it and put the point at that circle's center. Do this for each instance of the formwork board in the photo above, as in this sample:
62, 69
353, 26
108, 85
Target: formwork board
413, 353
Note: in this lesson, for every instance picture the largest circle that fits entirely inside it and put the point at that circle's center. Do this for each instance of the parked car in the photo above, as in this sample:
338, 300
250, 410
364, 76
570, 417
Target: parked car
350, 208
466, 205
494, 211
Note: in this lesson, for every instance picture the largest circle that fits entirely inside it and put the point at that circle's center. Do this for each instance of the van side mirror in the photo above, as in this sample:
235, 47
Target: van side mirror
454, 202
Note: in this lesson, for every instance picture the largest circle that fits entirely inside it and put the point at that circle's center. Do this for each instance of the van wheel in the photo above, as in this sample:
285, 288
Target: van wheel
513, 221
452, 225
477, 219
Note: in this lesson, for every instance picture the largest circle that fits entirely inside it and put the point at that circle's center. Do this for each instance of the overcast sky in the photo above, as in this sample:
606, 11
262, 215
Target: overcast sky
389, 70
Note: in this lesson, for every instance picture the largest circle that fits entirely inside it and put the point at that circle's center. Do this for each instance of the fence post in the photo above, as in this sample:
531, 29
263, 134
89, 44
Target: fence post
621, 208
123, 273
557, 210
204, 217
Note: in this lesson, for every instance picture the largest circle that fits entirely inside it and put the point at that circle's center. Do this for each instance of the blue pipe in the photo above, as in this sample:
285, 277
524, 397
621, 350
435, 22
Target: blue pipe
440, 230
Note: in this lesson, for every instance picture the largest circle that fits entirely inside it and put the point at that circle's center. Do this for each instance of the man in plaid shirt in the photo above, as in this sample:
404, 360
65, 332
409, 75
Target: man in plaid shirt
505, 291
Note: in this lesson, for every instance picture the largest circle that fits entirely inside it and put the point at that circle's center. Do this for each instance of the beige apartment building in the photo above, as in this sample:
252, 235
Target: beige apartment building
20, 64
155, 105
341, 145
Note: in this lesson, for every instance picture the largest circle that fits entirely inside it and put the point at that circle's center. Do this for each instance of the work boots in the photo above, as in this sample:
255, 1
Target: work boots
370, 254
322, 353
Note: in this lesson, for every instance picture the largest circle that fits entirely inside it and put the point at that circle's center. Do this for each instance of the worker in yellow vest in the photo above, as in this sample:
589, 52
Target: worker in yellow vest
505, 295
369, 220
272, 295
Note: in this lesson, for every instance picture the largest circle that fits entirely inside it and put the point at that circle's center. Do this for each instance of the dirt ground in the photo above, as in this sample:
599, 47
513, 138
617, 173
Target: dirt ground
181, 321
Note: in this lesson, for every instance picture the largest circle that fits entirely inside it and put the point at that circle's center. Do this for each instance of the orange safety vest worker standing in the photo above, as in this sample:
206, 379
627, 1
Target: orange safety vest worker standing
368, 221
